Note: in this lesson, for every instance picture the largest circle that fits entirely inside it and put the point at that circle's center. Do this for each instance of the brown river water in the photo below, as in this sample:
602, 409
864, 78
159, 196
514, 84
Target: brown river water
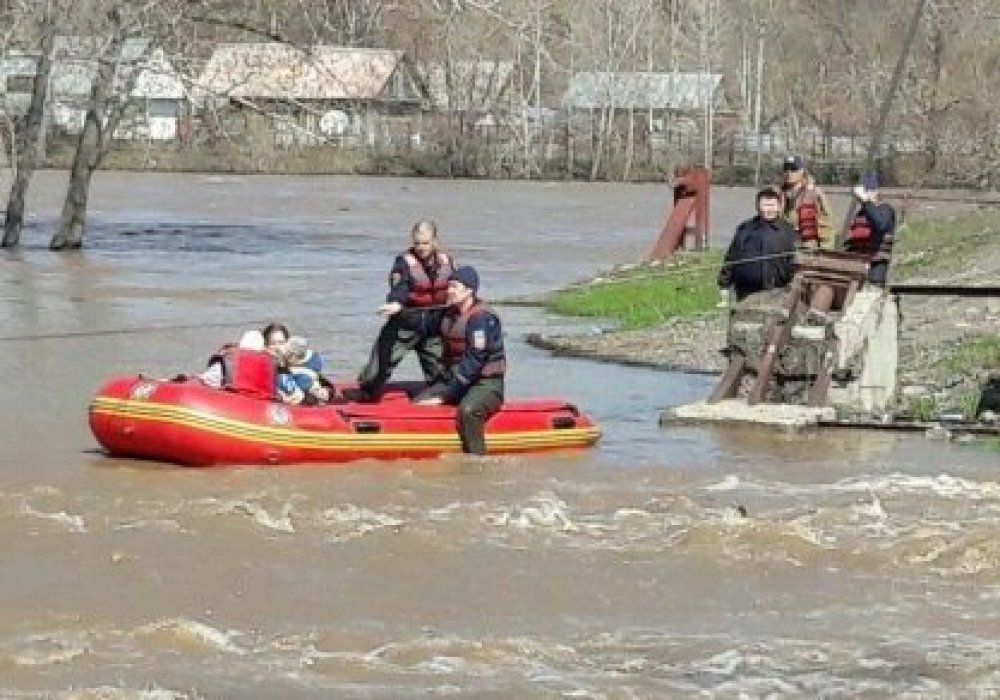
866, 565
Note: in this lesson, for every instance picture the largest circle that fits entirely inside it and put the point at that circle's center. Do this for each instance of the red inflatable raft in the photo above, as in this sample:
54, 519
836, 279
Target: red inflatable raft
185, 422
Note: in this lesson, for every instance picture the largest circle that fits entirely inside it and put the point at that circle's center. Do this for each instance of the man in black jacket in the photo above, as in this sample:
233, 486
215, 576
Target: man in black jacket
760, 254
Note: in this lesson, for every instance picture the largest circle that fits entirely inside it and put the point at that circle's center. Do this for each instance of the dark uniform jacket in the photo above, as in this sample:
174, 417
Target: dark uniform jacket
882, 220
755, 239
482, 356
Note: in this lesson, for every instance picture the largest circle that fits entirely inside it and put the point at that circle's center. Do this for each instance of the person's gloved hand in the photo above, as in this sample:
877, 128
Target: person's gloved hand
390, 309
860, 193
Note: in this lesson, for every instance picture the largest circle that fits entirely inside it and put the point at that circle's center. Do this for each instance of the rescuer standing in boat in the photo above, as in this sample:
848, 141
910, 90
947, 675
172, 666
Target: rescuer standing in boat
872, 229
418, 294
475, 358
806, 206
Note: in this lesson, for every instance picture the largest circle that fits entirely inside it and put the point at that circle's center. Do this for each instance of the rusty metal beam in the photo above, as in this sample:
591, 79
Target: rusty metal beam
913, 426
946, 290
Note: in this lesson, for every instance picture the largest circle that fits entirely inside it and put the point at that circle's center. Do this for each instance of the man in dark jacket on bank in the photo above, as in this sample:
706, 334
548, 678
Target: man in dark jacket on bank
873, 228
760, 254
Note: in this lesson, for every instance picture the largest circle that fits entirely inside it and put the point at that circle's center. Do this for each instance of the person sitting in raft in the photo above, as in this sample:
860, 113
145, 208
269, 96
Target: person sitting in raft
245, 368
275, 337
304, 367
213, 374
475, 359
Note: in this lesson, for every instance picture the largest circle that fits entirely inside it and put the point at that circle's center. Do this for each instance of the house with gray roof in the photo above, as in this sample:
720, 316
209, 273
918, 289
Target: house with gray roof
156, 92
664, 92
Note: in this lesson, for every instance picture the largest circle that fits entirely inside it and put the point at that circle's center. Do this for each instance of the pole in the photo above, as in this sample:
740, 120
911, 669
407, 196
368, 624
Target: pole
886, 107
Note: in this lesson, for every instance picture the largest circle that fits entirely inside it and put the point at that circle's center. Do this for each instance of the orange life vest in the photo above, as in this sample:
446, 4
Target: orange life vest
453, 327
249, 372
424, 290
859, 236
807, 217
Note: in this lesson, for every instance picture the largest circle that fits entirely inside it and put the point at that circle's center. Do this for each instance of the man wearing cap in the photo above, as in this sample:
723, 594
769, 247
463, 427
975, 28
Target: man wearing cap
475, 358
418, 292
806, 206
872, 229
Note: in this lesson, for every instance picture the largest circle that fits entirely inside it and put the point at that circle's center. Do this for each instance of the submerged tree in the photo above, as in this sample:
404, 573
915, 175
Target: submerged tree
95, 139
27, 135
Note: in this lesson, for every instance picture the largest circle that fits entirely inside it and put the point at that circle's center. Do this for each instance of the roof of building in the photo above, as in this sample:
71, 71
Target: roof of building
283, 71
144, 71
678, 91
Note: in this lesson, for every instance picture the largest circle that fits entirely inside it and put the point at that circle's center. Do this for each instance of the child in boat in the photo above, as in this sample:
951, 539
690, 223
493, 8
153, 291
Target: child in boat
305, 368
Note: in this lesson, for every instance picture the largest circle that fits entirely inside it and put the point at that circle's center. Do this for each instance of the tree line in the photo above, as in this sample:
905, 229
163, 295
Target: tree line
817, 67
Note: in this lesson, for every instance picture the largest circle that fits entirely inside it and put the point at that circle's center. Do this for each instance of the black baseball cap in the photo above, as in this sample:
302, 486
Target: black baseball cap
793, 163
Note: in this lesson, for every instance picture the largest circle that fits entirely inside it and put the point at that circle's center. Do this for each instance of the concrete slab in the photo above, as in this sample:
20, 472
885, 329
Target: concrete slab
738, 412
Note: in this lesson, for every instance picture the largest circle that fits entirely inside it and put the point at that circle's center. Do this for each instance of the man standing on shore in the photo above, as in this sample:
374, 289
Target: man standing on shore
806, 207
873, 228
760, 254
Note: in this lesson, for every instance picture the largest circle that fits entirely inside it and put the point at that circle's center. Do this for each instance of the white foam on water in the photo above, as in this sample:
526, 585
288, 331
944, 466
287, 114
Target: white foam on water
72, 523
349, 521
282, 522
48, 649
156, 524
111, 693
942, 485
186, 630
544, 511
444, 513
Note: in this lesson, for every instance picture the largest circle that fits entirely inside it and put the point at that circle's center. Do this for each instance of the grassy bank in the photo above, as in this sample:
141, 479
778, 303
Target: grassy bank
643, 296
972, 359
646, 295
946, 246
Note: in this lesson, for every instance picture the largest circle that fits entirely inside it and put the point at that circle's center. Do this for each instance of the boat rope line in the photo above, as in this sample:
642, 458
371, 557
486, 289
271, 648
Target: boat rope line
66, 335
676, 270
682, 269
169, 328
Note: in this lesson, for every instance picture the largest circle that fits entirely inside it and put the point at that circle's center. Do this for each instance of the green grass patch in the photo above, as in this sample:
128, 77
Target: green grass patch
646, 295
946, 245
928, 409
974, 357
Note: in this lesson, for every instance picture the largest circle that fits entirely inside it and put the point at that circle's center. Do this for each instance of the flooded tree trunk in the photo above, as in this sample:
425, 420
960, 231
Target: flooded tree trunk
98, 128
25, 150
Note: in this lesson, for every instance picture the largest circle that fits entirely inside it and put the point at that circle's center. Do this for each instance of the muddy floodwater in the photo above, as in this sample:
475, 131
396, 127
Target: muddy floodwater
663, 563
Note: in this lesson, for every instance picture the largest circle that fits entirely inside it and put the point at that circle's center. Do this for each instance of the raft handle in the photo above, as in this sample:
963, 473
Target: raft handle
367, 426
563, 422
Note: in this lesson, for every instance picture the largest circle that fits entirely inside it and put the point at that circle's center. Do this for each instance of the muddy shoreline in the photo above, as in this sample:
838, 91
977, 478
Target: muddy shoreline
930, 330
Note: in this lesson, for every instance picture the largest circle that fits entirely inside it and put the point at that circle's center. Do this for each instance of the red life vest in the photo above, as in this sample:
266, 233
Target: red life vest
249, 372
453, 328
807, 216
424, 290
859, 236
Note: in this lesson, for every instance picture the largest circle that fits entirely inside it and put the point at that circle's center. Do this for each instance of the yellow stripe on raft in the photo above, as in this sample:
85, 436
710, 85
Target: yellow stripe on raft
291, 437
